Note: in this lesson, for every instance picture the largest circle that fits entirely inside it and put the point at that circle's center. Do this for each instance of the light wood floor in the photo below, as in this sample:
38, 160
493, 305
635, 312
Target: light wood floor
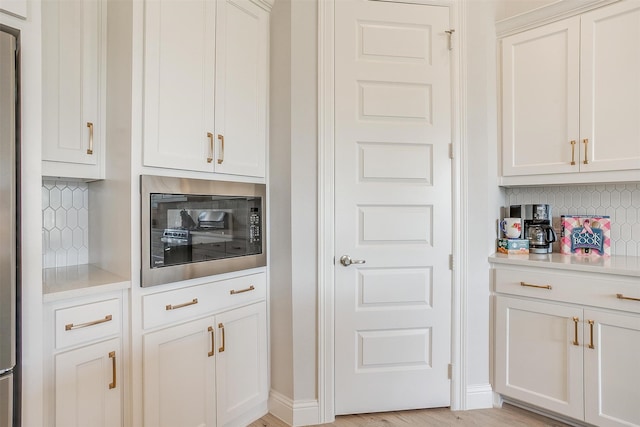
506, 416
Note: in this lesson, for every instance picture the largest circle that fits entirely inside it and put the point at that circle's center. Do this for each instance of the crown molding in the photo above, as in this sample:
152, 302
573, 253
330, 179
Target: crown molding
555, 11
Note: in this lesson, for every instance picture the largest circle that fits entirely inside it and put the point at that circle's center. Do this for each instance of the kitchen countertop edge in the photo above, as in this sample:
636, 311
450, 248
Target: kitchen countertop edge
78, 281
618, 265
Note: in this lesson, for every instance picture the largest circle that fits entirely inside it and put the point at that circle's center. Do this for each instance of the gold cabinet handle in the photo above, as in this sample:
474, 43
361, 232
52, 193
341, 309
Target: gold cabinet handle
591, 322
184, 304
221, 157
71, 326
221, 327
90, 149
210, 156
575, 331
586, 145
573, 153
112, 356
213, 340
530, 285
233, 291
620, 296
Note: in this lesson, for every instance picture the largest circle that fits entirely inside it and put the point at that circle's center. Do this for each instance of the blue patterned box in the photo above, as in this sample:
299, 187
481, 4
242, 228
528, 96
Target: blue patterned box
513, 246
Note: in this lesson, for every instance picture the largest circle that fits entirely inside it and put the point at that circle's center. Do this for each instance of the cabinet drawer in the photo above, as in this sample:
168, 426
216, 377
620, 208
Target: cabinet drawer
194, 301
87, 322
593, 289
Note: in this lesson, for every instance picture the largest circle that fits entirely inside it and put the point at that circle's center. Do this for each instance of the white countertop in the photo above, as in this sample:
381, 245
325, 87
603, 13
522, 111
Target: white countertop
621, 265
79, 280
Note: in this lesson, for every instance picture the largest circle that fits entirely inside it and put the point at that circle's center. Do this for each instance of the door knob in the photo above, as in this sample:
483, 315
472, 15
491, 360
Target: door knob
347, 261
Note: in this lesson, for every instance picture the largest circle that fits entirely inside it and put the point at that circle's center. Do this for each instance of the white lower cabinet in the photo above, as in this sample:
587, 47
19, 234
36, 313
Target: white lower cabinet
569, 343
211, 371
241, 371
612, 387
87, 390
85, 362
536, 360
179, 376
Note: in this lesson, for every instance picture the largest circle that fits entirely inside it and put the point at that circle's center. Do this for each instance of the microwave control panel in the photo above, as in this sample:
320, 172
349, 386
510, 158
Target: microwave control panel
254, 226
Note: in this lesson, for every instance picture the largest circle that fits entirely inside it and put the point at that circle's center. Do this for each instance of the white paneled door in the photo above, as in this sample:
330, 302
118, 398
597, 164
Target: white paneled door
393, 206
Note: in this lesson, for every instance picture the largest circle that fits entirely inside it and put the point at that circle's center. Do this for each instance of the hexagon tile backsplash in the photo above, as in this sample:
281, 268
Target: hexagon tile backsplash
620, 201
65, 223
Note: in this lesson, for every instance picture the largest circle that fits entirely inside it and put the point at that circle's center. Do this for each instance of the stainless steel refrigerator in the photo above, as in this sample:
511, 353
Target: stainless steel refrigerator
8, 242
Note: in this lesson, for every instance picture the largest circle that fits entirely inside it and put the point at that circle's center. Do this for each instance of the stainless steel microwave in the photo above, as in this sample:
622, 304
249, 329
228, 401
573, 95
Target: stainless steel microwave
195, 228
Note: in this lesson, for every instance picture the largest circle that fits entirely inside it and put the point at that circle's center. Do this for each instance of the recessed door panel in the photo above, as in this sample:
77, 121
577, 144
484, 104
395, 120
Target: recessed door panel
394, 42
399, 224
394, 349
381, 100
392, 162
392, 287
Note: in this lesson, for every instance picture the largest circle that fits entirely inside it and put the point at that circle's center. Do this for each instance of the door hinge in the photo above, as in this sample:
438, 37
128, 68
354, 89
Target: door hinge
451, 151
450, 371
450, 33
451, 263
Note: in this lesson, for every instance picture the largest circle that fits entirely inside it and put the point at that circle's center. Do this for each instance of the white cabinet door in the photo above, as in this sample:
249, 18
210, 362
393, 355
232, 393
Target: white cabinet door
179, 63
74, 52
241, 373
610, 88
242, 35
540, 99
88, 386
612, 394
539, 354
14, 7
179, 376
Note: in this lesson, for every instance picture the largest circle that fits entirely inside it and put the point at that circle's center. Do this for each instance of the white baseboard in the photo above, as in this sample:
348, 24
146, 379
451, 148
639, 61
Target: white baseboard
295, 413
479, 397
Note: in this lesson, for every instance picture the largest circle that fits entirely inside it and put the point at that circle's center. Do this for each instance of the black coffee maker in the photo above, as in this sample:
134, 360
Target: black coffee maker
536, 226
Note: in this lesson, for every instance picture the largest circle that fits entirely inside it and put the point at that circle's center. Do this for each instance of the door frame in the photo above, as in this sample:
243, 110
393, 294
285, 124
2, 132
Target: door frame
326, 192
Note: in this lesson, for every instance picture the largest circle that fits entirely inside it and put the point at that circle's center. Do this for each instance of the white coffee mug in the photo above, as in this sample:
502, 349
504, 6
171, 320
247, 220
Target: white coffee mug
511, 227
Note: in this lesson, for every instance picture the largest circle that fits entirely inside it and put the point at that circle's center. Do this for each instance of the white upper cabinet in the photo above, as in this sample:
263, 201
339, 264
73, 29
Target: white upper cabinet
179, 72
610, 88
571, 98
205, 88
241, 85
74, 59
540, 98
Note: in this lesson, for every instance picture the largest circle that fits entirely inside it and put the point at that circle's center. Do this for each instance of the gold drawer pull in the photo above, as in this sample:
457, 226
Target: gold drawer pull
250, 288
112, 356
586, 146
620, 296
529, 285
573, 153
185, 304
221, 327
221, 156
210, 156
70, 326
90, 149
591, 322
575, 331
213, 340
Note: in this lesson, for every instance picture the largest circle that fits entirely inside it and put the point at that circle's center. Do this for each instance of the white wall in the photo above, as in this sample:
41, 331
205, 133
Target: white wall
281, 316
304, 183
484, 197
293, 195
